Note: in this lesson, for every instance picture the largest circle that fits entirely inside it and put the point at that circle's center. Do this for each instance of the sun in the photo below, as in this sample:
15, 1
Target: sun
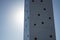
19, 16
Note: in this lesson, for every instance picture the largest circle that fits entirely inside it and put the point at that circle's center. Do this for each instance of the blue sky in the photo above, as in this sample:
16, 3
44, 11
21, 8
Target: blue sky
56, 7
12, 16
11, 19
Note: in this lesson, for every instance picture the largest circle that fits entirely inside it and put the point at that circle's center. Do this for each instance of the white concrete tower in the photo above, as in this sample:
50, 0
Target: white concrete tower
39, 20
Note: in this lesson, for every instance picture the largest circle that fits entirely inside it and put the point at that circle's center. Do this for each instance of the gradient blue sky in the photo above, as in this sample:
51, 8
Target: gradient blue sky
12, 16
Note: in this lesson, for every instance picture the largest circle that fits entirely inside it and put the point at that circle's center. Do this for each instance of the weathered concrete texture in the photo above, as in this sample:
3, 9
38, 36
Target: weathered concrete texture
39, 20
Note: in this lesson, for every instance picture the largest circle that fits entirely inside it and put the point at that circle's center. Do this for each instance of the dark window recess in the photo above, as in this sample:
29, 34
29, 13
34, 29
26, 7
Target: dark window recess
42, 22
32, 0
38, 14
49, 17
44, 9
26, 25
35, 38
41, 0
27, 35
34, 24
50, 36
28, 17
25, 19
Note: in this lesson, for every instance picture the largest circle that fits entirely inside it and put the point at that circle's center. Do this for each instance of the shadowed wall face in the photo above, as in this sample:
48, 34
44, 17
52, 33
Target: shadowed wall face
40, 25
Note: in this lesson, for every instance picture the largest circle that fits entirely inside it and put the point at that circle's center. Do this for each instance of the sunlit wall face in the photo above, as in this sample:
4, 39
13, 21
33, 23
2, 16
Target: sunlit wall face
11, 19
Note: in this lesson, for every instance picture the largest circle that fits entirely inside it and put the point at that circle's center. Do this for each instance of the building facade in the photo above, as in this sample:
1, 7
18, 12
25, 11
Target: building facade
39, 20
